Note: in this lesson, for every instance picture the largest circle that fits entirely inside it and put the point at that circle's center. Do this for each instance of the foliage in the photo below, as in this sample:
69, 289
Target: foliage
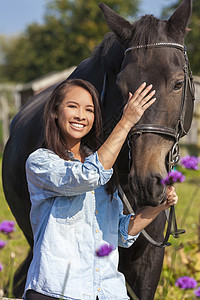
172, 177
16, 249
192, 39
8, 107
183, 257
70, 31
1, 134
104, 250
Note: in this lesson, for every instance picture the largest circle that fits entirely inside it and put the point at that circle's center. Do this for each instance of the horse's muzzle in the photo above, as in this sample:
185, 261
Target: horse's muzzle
147, 191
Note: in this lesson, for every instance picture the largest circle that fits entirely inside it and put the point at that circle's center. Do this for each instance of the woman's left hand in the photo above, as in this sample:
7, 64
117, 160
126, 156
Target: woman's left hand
143, 218
172, 197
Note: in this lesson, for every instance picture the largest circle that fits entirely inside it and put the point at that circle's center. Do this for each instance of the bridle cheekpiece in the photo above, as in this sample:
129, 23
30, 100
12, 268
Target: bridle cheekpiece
178, 131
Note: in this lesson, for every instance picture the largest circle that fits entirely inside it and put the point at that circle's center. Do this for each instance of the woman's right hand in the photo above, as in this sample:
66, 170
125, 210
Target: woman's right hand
133, 111
137, 104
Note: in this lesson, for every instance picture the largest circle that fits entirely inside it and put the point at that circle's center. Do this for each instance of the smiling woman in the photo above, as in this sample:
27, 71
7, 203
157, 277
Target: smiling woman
73, 119
72, 212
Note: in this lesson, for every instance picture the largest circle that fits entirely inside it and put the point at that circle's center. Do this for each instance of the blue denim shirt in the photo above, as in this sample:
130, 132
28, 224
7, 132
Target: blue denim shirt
72, 216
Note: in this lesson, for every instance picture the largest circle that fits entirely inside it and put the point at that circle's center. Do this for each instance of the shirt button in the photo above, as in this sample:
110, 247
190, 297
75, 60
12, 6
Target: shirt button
96, 230
99, 289
96, 212
92, 192
97, 269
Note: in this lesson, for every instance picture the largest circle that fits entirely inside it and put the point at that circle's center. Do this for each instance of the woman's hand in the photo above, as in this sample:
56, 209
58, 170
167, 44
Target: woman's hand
172, 197
142, 219
133, 111
137, 104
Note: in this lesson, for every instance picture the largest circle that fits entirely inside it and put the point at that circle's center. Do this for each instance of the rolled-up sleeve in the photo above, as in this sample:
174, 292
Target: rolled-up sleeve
124, 239
48, 175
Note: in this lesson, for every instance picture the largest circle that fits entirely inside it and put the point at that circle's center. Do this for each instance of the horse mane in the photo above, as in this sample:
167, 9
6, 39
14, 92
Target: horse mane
110, 51
145, 31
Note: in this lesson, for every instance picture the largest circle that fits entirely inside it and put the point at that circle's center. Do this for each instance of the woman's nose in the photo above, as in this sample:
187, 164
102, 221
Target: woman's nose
80, 115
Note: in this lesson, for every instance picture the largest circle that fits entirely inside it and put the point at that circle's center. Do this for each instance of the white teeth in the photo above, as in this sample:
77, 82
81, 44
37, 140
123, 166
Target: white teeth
77, 125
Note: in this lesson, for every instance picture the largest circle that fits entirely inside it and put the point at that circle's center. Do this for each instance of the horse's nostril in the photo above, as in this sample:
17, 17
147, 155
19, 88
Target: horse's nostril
148, 190
158, 179
156, 186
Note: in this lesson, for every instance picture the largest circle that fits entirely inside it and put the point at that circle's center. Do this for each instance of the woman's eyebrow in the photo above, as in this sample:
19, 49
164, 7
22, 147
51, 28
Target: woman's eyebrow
69, 101
72, 101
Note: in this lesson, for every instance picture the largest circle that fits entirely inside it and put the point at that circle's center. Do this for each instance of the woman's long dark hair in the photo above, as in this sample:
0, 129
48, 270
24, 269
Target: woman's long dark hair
53, 138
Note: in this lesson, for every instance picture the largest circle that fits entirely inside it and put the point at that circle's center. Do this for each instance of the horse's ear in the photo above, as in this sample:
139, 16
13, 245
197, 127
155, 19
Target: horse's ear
121, 27
178, 22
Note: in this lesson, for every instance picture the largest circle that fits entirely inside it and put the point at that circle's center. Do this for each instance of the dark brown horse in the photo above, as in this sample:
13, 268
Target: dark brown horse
108, 67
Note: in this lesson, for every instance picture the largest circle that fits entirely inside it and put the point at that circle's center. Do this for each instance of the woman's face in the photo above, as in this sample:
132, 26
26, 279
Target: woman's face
76, 114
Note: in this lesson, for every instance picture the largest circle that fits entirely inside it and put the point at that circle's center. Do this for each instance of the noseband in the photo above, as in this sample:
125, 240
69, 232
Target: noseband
178, 131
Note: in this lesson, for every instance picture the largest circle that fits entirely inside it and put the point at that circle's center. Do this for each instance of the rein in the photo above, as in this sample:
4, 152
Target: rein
176, 133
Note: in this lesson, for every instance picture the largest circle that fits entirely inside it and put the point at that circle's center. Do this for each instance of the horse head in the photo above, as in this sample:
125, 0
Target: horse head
154, 53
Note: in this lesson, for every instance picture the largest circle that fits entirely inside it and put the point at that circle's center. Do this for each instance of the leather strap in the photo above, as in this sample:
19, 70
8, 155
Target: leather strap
170, 215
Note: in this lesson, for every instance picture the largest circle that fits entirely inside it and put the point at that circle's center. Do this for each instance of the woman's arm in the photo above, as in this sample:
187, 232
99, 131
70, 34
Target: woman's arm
48, 175
139, 221
133, 111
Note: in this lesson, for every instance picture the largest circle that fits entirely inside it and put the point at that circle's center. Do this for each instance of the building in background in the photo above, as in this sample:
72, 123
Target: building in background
30, 89
191, 142
14, 96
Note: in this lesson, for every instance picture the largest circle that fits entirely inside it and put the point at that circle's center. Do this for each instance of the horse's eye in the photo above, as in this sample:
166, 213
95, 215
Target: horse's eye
178, 85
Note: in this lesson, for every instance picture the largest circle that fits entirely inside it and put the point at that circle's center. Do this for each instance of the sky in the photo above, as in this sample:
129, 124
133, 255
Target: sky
15, 15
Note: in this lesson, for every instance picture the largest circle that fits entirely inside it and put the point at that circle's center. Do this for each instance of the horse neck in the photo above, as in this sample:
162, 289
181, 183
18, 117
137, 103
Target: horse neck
107, 59
109, 53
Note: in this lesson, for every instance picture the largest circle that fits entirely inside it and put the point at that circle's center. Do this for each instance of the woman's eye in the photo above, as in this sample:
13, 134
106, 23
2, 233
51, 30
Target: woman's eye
90, 110
71, 105
178, 85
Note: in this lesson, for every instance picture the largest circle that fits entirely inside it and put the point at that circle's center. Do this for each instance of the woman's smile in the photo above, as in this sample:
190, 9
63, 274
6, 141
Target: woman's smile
77, 126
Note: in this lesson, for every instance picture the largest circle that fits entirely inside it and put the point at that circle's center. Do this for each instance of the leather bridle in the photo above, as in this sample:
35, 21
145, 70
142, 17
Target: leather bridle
176, 133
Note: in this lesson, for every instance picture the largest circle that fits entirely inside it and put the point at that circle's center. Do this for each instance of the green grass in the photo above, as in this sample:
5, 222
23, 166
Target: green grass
16, 245
181, 259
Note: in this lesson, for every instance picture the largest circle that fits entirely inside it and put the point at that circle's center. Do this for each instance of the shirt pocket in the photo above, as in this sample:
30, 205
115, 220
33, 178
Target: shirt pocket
69, 210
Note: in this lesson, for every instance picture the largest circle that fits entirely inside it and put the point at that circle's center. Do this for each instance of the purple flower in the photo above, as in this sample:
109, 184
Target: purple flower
104, 250
190, 162
172, 177
7, 226
186, 282
197, 292
2, 244
1, 267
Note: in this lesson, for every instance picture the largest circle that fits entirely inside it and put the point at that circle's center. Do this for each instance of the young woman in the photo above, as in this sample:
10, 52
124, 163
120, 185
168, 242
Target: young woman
74, 211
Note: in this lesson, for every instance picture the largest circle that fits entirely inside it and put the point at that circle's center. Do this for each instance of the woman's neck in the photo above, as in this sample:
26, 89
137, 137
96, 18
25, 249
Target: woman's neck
76, 150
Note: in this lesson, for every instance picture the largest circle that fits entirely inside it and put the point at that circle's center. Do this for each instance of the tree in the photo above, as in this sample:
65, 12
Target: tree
192, 38
70, 31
